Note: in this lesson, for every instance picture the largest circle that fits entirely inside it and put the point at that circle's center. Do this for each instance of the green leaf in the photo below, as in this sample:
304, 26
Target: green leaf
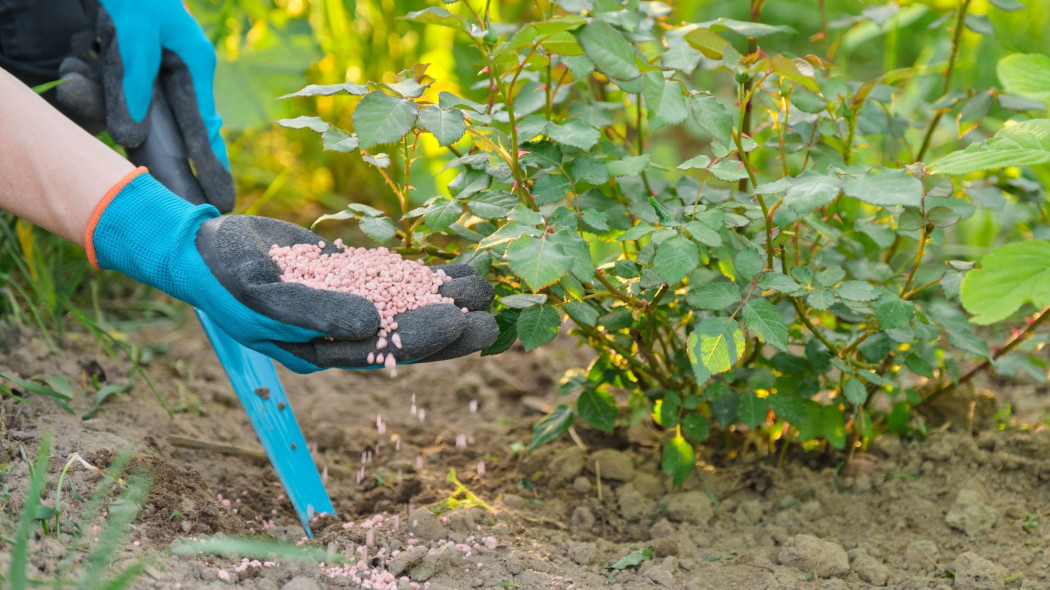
609, 50
442, 213
315, 124
893, 312
538, 325
337, 140
59, 396
574, 133
788, 407
764, 319
507, 321
676, 258
1026, 74
407, 88
712, 117
714, 346
666, 411
665, 98
493, 205
552, 426
728, 170
597, 408
885, 188
832, 426
1022, 144
779, 282
328, 90
831, 276
804, 193
700, 161
748, 264
797, 70
523, 300
714, 296
855, 391
637, 232
538, 261
377, 160
821, 299
633, 559
751, 409
704, 234
1009, 277
551, 188
959, 330
447, 126
380, 118
708, 42
629, 166
60, 386
745, 28
102, 394
679, 459
1008, 5
589, 170
695, 427
379, 229
582, 313
857, 291
435, 15
447, 100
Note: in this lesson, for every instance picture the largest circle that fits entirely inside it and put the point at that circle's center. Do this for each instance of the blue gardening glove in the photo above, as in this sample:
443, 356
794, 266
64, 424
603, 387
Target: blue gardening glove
137, 44
221, 265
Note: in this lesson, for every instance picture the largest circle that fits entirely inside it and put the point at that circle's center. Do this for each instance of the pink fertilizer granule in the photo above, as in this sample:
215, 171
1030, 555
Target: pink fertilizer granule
395, 285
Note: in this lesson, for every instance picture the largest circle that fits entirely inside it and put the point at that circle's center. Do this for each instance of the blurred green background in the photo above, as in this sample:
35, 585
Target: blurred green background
270, 48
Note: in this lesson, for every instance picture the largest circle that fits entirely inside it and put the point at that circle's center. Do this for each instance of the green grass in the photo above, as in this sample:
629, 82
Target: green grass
92, 556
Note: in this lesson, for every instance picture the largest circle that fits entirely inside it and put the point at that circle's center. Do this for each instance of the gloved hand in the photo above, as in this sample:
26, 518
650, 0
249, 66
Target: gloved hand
222, 266
135, 44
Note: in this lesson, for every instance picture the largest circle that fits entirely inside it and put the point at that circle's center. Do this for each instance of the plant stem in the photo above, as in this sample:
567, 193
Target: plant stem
1014, 342
923, 235
508, 95
616, 292
641, 141
960, 22
914, 291
801, 310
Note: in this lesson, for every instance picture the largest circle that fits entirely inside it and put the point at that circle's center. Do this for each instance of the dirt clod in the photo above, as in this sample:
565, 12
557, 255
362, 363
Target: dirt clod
807, 553
663, 572
612, 465
970, 514
583, 553
693, 507
973, 572
871, 570
407, 559
665, 548
426, 526
922, 553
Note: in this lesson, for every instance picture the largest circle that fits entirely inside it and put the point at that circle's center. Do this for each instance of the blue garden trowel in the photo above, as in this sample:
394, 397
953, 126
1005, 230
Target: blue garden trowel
252, 374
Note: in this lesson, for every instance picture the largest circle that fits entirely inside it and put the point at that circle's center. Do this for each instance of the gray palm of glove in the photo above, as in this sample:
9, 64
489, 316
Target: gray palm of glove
236, 250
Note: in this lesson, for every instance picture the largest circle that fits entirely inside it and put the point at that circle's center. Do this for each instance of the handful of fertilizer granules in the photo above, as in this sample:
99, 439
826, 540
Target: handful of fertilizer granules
393, 284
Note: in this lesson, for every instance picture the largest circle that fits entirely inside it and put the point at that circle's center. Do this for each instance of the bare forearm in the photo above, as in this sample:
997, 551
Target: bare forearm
52, 172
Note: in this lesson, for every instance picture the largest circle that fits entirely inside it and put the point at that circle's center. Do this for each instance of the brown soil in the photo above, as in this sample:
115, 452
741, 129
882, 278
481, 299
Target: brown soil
967, 508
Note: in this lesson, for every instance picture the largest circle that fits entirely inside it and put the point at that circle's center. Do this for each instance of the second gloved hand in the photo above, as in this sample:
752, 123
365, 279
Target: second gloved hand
135, 45
222, 266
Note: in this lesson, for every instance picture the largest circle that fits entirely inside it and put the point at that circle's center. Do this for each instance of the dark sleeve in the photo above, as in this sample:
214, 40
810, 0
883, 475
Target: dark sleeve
35, 36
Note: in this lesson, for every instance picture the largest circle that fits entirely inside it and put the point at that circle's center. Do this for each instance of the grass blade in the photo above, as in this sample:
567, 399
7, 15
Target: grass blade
16, 574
